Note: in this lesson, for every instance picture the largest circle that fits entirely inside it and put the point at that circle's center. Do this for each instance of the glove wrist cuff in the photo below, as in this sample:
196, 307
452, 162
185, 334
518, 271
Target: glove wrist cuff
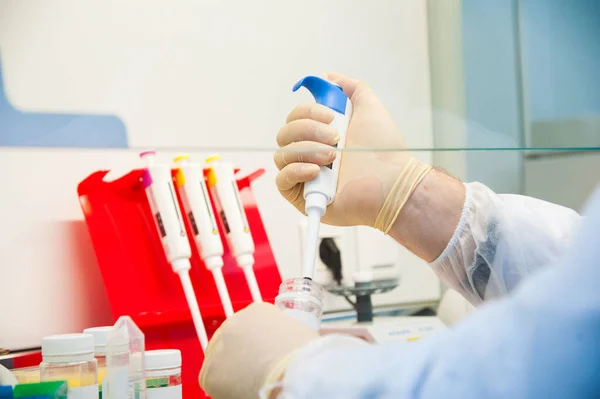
411, 175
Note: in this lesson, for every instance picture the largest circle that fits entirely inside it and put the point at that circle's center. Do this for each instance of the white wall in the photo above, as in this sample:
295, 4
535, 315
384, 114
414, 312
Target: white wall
565, 179
561, 54
188, 76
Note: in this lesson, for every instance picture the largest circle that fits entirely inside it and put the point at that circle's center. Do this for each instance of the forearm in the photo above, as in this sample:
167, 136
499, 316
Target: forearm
430, 216
478, 242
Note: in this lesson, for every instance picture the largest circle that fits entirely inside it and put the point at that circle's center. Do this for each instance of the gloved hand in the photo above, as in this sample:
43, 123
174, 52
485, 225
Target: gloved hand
373, 186
6, 377
250, 350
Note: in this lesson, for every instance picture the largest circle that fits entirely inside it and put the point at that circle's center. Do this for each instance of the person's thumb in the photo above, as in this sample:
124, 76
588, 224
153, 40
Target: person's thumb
351, 87
347, 84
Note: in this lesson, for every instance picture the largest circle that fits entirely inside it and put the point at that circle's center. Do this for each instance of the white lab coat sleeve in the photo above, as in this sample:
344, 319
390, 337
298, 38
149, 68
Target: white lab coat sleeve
500, 239
540, 341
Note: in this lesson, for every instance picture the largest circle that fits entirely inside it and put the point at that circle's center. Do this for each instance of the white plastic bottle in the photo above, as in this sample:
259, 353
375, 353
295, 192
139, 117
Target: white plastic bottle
100, 335
70, 357
163, 374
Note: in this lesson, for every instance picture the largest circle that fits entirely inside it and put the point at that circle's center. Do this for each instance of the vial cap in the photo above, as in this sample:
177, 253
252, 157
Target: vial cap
100, 335
162, 359
67, 344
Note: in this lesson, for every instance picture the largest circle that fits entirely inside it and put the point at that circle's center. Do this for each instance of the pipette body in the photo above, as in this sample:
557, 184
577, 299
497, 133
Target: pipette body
222, 183
197, 205
158, 185
320, 192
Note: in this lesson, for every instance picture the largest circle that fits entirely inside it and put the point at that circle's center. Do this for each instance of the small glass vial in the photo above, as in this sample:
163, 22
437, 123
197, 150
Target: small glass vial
70, 357
100, 335
302, 299
163, 374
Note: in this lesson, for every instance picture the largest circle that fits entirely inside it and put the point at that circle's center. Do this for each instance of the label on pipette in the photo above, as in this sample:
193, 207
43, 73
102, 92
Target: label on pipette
209, 210
176, 206
193, 223
161, 226
225, 224
236, 193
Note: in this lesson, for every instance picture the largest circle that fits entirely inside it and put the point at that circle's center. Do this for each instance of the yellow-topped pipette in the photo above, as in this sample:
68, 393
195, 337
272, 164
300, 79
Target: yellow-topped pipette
222, 183
196, 201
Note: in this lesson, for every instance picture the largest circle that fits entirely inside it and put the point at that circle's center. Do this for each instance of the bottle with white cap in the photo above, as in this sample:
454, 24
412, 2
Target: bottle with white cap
70, 357
163, 374
100, 335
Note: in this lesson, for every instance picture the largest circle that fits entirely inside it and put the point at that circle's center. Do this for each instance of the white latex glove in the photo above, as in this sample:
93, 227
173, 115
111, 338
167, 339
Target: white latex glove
367, 177
6, 377
251, 349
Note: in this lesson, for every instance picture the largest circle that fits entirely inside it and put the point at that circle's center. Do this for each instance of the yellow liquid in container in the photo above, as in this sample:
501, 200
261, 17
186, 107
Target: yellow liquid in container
101, 374
70, 358
27, 375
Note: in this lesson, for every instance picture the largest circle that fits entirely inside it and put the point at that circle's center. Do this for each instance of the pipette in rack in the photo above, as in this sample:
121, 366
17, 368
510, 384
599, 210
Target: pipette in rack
196, 201
229, 206
169, 223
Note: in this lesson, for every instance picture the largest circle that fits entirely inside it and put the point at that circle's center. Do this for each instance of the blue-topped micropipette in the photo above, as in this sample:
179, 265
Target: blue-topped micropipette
320, 192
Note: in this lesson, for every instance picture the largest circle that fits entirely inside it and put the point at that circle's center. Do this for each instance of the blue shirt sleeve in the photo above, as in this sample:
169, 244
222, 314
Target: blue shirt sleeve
540, 341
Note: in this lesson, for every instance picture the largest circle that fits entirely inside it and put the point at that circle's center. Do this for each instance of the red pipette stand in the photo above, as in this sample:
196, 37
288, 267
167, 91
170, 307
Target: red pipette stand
139, 280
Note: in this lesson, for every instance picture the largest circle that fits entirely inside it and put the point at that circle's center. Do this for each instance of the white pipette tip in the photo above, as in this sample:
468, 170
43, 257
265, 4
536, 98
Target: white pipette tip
192, 302
252, 283
311, 242
222, 289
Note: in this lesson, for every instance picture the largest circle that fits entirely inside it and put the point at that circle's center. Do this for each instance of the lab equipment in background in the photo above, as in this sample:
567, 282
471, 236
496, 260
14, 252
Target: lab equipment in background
196, 201
125, 373
386, 329
231, 211
453, 307
70, 357
163, 374
100, 335
320, 192
170, 226
364, 283
364, 287
42, 390
302, 299
137, 277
